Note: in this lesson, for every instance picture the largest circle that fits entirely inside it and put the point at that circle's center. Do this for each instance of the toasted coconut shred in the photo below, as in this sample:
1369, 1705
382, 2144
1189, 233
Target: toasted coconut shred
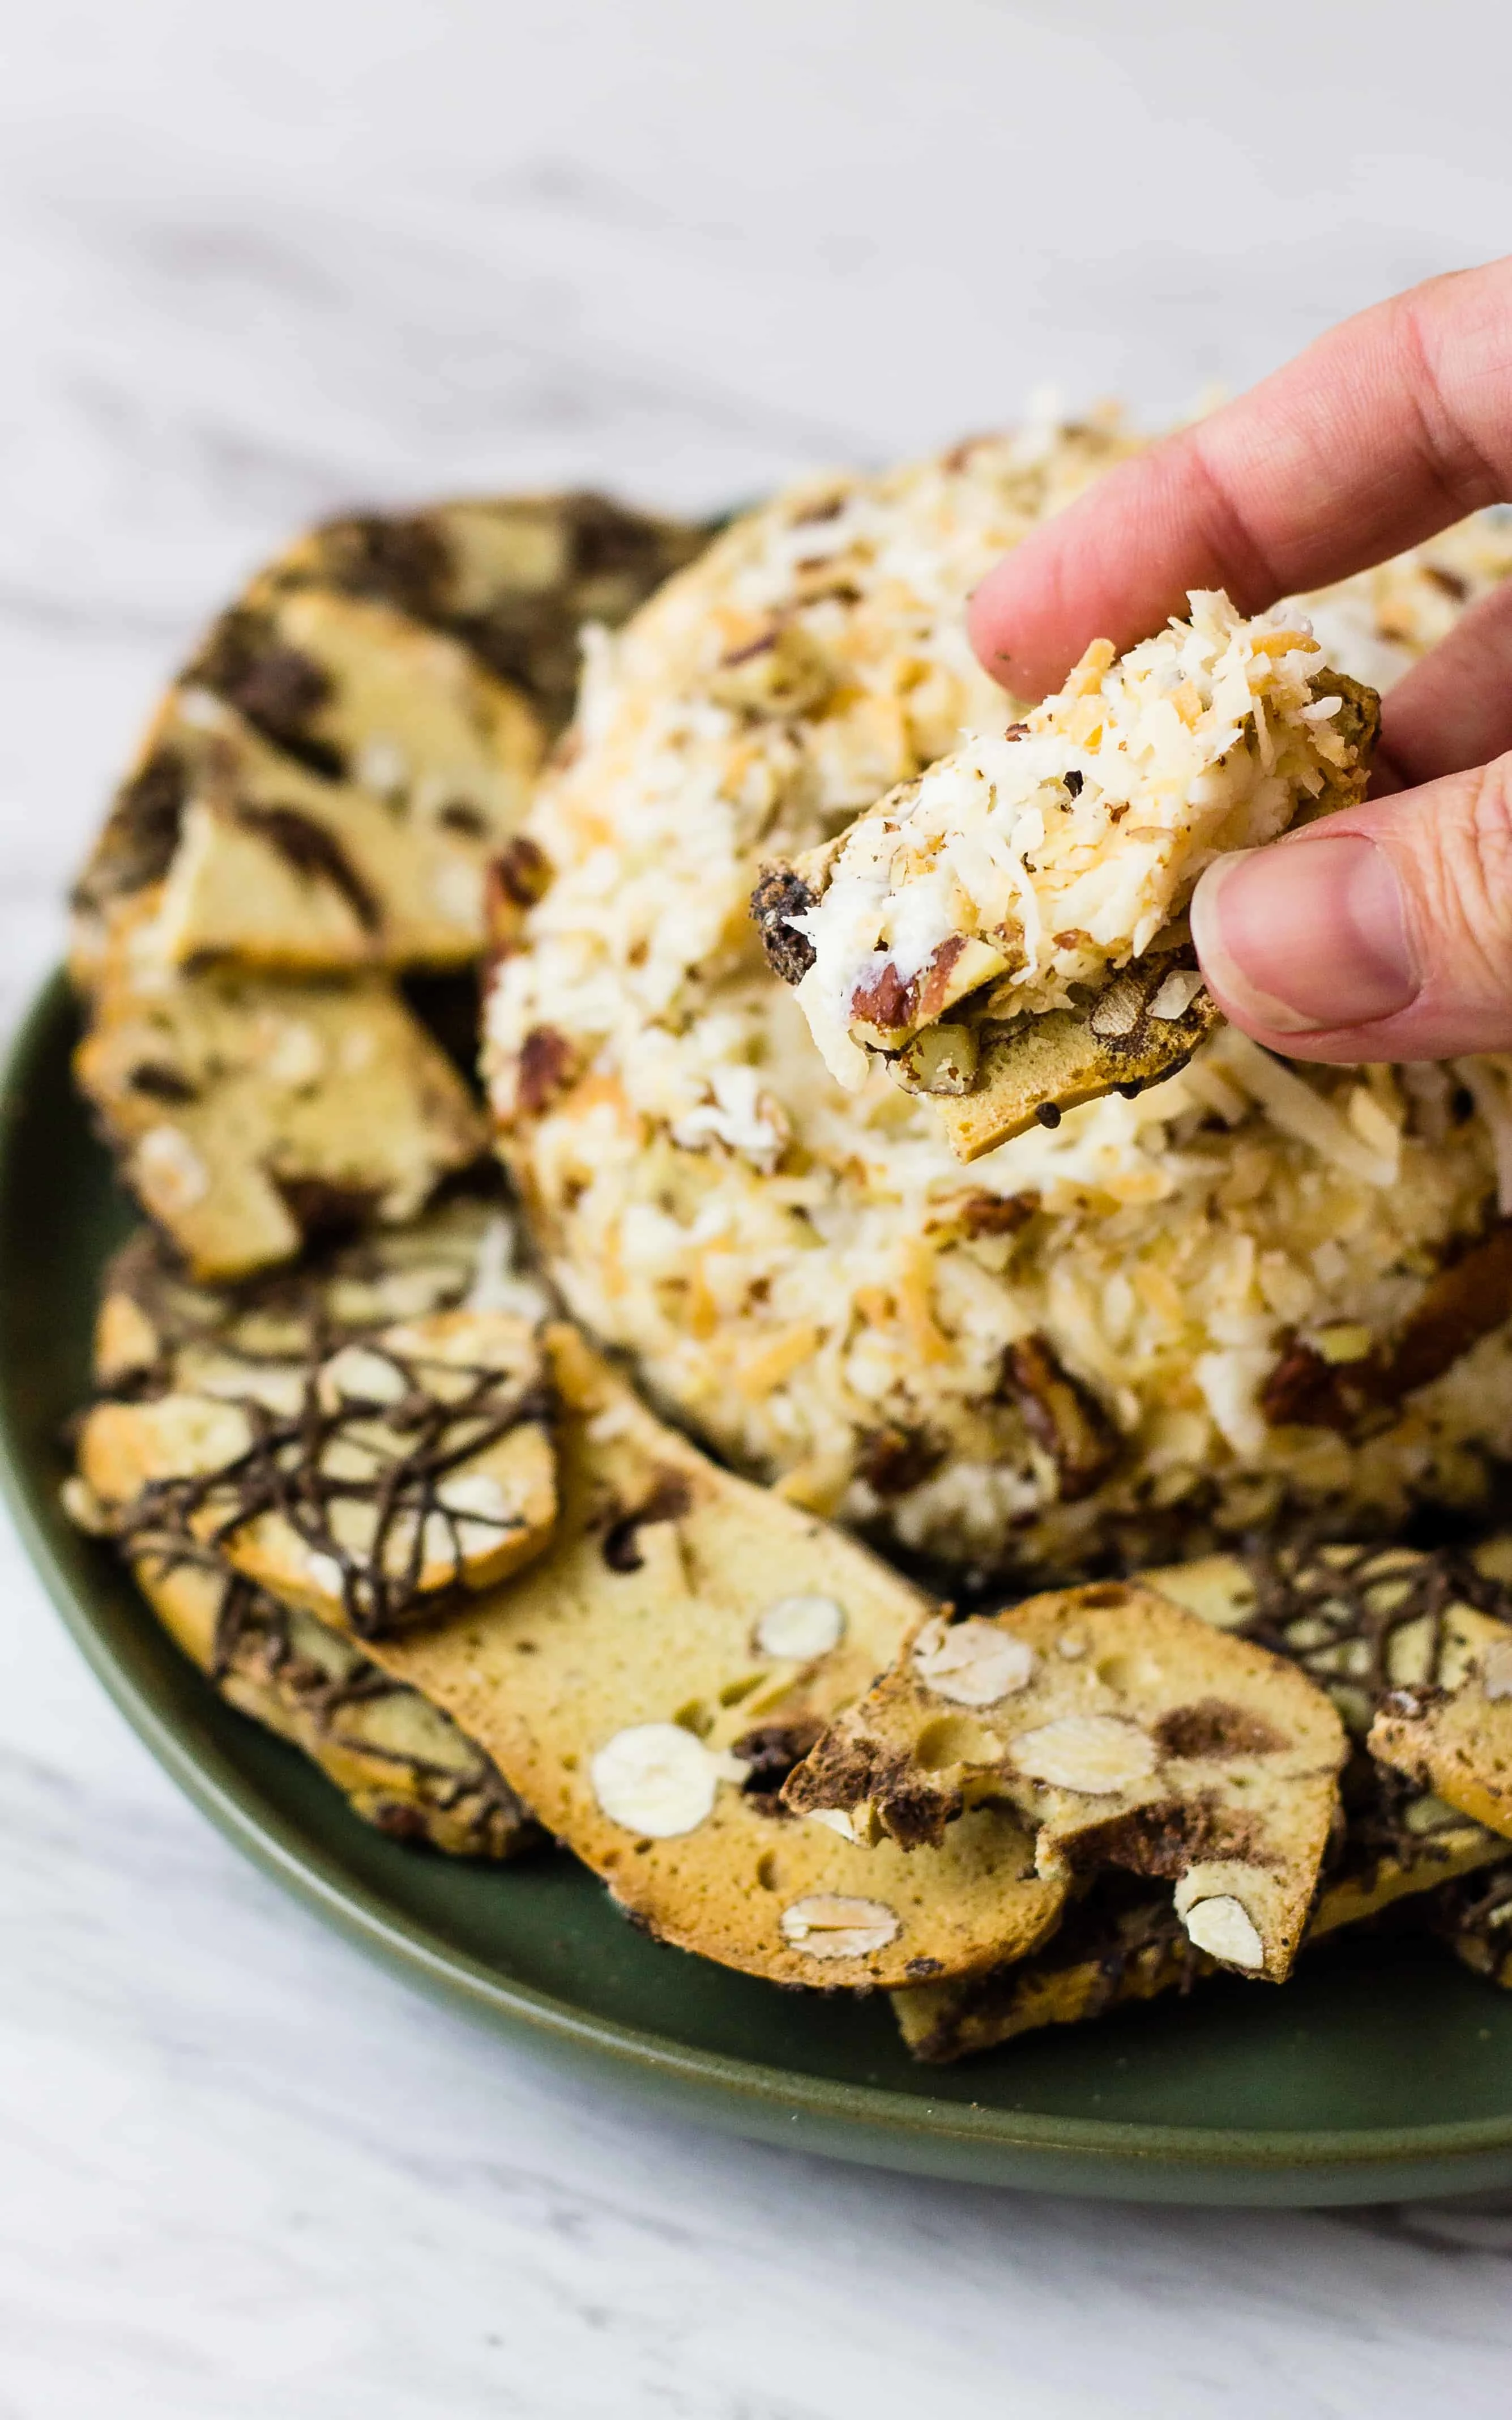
1046, 855
1074, 1345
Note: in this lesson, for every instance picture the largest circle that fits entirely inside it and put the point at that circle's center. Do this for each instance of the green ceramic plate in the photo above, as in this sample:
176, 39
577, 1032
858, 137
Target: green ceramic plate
1382, 2072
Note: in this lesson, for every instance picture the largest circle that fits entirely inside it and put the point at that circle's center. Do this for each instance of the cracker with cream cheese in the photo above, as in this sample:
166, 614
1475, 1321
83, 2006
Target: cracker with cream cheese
1019, 877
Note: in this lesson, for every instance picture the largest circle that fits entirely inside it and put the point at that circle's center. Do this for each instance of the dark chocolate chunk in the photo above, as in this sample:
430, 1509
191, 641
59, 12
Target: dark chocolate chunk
320, 1208
1062, 1414
314, 852
275, 687
1464, 1302
141, 834
608, 538
772, 1750
912, 1809
1213, 1728
402, 559
161, 1083
1165, 1836
670, 1498
892, 1459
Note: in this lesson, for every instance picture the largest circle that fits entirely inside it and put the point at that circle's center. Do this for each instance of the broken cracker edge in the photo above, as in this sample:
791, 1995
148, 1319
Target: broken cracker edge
1056, 1061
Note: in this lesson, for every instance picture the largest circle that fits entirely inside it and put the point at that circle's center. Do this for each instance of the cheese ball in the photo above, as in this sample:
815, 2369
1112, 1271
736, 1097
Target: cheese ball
1256, 1287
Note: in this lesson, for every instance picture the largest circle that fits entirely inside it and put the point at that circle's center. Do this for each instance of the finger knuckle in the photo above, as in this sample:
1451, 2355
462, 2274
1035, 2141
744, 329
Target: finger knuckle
1473, 870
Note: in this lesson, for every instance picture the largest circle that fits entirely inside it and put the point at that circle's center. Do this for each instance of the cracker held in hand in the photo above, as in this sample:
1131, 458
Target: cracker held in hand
1018, 878
1129, 1734
648, 1683
370, 1490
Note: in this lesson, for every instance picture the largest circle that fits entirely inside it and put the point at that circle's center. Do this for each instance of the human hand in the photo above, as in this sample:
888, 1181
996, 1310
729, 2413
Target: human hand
1384, 931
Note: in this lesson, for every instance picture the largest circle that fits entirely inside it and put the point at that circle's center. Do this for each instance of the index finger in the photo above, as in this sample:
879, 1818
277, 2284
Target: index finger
1392, 426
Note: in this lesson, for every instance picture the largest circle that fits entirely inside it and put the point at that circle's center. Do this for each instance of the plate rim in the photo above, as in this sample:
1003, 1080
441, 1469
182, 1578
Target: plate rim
1116, 2158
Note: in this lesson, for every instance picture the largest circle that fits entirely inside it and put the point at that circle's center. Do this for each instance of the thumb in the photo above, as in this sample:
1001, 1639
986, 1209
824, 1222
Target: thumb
1382, 933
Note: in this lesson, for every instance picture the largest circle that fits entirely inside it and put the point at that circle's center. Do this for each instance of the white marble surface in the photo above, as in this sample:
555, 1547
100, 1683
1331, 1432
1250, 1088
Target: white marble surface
257, 261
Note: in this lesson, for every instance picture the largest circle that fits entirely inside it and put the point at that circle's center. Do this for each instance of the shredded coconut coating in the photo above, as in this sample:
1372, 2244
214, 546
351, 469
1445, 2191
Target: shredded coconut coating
1048, 854
1063, 1351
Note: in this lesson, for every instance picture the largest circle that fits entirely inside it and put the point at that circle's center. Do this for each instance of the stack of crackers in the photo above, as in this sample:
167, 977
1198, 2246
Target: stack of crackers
402, 1510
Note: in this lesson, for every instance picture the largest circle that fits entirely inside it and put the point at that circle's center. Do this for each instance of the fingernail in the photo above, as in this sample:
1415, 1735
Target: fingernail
1307, 936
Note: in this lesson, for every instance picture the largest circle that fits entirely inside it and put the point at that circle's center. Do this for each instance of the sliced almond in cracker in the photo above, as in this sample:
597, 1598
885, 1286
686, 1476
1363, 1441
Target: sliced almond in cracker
1162, 1747
1002, 929
1358, 1619
648, 1683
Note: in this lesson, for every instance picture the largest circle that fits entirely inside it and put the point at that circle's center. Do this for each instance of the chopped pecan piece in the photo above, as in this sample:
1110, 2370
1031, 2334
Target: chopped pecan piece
996, 1214
1305, 1391
893, 1461
548, 1063
1464, 1302
1062, 1414
885, 1007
